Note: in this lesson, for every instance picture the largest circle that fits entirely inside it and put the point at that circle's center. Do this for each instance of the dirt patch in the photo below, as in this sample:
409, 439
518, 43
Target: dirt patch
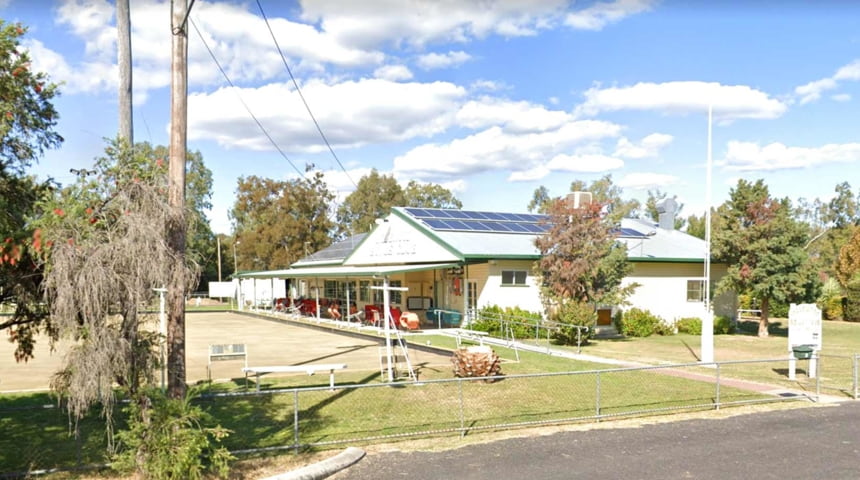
268, 342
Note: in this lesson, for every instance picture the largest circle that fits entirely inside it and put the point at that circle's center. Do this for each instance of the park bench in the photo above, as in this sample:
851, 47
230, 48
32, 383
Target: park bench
476, 335
228, 351
310, 369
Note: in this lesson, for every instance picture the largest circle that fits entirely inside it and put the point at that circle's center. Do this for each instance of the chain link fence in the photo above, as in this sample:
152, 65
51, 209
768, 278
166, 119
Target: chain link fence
320, 417
297, 419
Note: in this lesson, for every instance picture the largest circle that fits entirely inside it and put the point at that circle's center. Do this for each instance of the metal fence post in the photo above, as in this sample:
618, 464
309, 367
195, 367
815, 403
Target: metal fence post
462, 408
817, 376
296, 421
854, 368
597, 405
718, 386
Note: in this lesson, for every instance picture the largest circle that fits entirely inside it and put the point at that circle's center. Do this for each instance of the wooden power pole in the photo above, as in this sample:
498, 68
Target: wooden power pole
176, 196
123, 30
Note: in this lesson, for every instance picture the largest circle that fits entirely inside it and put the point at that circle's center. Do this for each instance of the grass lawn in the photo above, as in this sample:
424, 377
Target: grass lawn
39, 437
838, 338
359, 415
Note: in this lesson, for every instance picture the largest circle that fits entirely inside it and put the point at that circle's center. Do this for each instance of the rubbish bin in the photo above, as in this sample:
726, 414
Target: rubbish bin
802, 352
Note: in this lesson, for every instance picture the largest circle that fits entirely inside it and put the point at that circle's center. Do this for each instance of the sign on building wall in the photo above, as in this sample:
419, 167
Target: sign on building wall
395, 241
804, 325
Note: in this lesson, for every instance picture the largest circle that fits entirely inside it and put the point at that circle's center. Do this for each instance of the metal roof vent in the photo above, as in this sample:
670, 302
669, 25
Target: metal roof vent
666, 210
579, 199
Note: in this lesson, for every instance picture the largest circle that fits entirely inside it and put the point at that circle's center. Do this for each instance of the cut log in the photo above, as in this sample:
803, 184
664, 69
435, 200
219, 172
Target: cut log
477, 361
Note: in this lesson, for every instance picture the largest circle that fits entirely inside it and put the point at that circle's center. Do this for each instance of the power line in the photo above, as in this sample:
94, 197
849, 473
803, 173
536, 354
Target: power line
247, 108
299, 91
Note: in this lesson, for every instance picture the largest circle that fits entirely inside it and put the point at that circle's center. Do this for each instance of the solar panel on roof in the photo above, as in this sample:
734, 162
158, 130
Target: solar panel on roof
535, 228
493, 216
629, 233
437, 224
458, 225
470, 221
517, 227
479, 226
418, 212
459, 214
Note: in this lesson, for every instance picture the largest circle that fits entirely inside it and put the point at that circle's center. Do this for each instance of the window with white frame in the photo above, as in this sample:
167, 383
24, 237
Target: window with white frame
695, 290
514, 277
364, 291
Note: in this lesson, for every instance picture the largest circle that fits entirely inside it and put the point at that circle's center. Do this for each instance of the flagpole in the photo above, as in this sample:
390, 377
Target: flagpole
708, 321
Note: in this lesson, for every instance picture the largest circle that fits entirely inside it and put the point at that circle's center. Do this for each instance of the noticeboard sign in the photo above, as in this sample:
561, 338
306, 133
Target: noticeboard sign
804, 325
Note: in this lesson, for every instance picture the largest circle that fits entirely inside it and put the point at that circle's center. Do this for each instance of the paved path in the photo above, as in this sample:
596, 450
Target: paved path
802, 443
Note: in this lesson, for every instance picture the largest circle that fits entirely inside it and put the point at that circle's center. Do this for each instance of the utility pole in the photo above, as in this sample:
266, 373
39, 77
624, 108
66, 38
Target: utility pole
123, 30
176, 197
218, 242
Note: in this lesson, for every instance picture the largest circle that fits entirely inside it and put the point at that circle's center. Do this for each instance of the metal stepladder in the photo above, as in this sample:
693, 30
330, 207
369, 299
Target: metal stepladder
389, 325
389, 358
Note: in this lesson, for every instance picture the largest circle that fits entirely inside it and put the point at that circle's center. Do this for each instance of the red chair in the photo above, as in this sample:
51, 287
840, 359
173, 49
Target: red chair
395, 315
371, 314
309, 307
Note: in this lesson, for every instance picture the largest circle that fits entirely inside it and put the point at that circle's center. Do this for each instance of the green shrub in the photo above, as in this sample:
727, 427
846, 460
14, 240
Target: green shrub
522, 322
779, 309
693, 325
570, 315
832, 308
745, 302
851, 304
723, 325
690, 325
830, 300
169, 439
642, 323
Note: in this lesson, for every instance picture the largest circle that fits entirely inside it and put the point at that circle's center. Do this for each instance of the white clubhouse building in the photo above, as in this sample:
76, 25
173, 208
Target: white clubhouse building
460, 261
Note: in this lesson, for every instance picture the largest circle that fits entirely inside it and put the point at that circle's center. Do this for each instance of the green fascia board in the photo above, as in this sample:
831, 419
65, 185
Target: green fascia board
321, 263
345, 260
429, 233
482, 257
665, 260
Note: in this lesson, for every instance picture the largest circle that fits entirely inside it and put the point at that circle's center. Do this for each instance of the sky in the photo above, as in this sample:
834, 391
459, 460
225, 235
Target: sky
491, 99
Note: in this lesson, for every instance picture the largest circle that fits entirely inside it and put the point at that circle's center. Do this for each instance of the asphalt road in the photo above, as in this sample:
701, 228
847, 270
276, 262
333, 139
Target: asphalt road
804, 443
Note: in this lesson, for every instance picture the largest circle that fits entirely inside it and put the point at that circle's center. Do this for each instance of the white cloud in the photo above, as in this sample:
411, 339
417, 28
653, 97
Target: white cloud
649, 147
591, 163
393, 73
841, 97
351, 113
602, 14
812, 91
644, 181
513, 116
238, 38
488, 85
86, 77
370, 25
341, 183
91, 20
729, 102
749, 156
431, 61
455, 186
529, 175
496, 148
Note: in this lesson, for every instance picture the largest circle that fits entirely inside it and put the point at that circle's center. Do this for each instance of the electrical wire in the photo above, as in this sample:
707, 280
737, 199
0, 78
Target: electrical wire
247, 108
299, 91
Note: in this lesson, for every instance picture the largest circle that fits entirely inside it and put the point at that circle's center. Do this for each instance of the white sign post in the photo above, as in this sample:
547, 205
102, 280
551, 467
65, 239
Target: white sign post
804, 329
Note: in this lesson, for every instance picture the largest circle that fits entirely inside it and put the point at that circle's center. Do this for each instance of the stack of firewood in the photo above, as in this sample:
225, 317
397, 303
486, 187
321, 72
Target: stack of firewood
477, 361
